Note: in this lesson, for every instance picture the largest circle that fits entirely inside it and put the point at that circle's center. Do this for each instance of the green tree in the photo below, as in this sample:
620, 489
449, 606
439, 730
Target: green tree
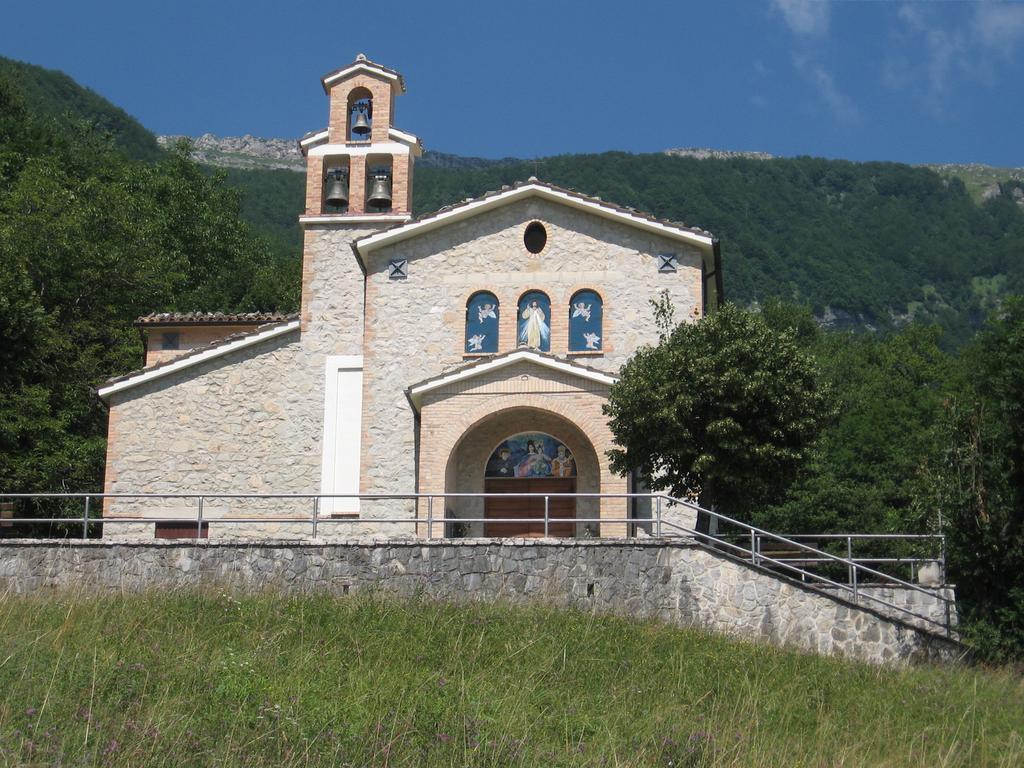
726, 409
982, 488
871, 472
90, 240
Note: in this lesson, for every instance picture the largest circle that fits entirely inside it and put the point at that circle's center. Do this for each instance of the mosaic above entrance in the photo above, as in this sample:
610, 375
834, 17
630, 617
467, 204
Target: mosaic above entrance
530, 454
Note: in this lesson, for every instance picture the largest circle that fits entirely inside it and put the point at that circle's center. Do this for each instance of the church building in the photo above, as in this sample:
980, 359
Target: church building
461, 352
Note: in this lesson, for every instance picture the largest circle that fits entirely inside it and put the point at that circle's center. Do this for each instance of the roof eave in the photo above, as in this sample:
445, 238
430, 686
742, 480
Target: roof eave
371, 243
220, 349
416, 392
367, 66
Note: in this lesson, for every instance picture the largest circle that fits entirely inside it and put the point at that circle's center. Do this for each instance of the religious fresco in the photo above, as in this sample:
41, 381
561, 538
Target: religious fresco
531, 454
585, 315
482, 323
535, 321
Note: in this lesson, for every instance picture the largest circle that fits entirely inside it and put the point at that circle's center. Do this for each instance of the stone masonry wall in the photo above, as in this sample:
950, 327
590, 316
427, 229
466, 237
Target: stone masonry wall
681, 584
332, 291
247, 422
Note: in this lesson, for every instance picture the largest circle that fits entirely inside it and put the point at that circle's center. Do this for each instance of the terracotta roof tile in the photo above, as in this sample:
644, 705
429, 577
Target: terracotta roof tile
213, 318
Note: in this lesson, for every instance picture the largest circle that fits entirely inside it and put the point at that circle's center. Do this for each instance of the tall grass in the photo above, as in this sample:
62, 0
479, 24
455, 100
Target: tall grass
206, 679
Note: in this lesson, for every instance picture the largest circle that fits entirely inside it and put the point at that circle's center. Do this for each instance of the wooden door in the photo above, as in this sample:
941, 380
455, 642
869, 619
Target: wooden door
530, 510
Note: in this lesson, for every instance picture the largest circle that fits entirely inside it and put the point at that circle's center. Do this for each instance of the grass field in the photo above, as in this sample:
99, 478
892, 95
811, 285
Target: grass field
205, 679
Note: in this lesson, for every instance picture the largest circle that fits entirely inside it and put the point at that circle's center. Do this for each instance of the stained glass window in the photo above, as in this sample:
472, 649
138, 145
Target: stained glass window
534, 326
482, 323
585, 316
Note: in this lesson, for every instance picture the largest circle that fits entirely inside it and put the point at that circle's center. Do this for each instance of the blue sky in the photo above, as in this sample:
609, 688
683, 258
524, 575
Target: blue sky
908, 81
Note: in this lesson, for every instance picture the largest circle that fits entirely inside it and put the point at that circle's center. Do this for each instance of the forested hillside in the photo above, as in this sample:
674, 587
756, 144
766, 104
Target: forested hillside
49, 93
870, 243
89, 240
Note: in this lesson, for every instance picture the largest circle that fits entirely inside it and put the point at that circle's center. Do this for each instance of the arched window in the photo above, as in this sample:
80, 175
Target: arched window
482, 323
585, 315
534, 327
360, 115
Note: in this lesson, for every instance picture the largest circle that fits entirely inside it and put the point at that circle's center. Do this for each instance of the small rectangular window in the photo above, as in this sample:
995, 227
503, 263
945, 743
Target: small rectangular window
182, 530
170, 340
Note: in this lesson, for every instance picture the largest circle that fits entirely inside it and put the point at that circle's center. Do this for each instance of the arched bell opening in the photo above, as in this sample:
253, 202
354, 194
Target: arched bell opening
379, 175
360, 115
336, 185
494, 456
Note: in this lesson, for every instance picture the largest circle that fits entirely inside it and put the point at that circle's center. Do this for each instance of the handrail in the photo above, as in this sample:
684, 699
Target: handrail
854, 566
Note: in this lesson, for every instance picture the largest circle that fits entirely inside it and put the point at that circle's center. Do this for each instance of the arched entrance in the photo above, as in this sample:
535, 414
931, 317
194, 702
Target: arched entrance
530, 463
495, 456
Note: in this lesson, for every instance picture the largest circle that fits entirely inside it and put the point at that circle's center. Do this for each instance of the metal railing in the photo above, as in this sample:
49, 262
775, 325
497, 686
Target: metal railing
935, 543
857, 569
426, 521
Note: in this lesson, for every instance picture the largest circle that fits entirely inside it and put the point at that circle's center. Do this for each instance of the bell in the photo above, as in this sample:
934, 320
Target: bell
336, 192
380, 191
361, 127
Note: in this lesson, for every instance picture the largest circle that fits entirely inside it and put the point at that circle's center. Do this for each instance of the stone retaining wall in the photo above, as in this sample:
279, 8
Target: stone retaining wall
680, 583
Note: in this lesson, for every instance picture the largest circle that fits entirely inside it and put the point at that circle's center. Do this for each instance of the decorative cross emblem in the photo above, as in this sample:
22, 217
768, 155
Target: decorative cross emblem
398, 269
667, 262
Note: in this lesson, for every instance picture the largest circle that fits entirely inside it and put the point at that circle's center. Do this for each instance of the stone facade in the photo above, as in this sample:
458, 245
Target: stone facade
332, 291
415, 329
247, 422
680, 583
427, 310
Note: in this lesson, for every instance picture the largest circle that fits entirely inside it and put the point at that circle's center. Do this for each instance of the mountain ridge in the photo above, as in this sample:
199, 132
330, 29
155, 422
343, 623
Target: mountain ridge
254, 152
257, 153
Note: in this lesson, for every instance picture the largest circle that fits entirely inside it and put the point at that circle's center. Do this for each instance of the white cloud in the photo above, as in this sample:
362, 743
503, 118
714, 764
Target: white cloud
945, 51
841, 106
804, 17
998, 26
967, 45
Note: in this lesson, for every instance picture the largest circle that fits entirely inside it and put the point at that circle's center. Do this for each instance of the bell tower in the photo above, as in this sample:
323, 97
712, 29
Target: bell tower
359, 169
358, 181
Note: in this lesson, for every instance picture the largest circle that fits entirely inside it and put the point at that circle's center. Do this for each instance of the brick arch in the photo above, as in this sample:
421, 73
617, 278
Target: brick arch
465, 470
595, 429
443, 430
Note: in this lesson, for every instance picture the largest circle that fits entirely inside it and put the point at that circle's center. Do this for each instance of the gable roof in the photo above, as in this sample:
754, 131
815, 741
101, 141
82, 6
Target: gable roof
694, 236
497, 362
363, 64
219, 348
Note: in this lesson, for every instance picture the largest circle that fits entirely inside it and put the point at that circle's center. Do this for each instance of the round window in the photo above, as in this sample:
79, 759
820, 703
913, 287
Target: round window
535, 237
